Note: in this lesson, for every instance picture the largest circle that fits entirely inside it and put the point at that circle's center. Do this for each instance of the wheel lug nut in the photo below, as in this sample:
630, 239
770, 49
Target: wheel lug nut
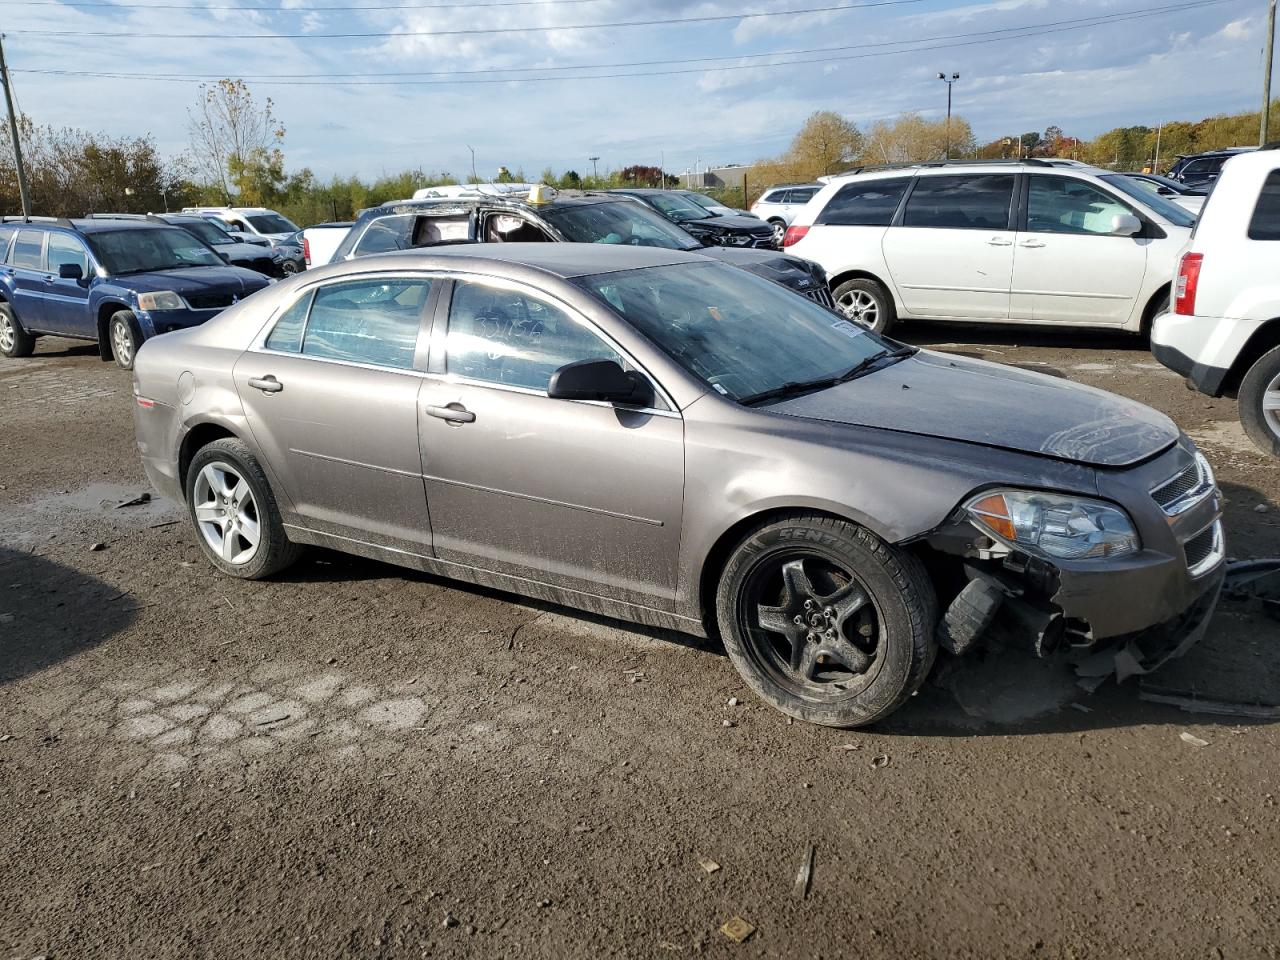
797, 619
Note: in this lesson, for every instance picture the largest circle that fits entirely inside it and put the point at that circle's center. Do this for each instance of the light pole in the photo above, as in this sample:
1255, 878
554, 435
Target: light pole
948, 81
474, 178
595, 171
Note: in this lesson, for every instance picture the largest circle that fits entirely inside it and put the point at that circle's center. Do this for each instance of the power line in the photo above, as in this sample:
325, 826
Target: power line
281, 8
1030, 30
1072, 23
469, 31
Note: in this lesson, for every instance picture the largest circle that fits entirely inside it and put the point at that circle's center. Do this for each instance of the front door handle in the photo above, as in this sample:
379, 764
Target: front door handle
1031, 243
453, 413
49, 278
1000, 242
267, 384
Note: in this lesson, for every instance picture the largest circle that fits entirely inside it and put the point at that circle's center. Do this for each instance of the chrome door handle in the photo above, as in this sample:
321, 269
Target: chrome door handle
1031, 243
49, 278
453, 413
267, 384
1000, 242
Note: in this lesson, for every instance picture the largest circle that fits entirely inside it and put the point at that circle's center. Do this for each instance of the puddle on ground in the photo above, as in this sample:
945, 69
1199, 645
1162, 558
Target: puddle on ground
34, 521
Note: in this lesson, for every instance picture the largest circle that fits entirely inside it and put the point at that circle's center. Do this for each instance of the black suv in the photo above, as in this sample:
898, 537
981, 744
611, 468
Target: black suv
560, 217
1201, 169
735, 231
258, 257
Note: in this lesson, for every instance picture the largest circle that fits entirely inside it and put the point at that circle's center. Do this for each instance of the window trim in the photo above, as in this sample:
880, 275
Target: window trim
438, 339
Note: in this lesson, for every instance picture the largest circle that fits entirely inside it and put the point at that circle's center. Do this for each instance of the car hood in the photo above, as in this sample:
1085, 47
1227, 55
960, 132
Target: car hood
244, 251
792, 272
731, 224
196, 280
994, 405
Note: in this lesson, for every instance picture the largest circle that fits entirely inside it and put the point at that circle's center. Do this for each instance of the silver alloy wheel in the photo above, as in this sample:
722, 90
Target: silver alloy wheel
861, 307
122, 342
6, 332
779, 232
226, 513
1271, 405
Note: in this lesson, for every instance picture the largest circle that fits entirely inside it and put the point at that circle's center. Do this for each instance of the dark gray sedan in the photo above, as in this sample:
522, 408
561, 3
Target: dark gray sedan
662, 438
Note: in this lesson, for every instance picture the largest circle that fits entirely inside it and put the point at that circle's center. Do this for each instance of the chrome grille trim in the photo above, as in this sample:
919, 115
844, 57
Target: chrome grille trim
1184, 489
1204, 551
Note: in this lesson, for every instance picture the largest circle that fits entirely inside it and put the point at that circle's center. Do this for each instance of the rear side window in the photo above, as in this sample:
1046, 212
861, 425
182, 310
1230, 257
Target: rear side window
961, 202
27, 250
6, 235
803, 195
367, 321
287, 333
385, 235
775, 196
1265, 224
866, 203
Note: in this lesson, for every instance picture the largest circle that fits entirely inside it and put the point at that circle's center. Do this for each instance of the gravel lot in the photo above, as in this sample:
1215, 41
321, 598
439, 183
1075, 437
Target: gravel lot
355, 760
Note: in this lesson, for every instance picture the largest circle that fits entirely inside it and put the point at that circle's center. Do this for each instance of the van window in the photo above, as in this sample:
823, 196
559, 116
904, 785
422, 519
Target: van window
1265, 224
963, 202
1068, 205
864, 203
27, 251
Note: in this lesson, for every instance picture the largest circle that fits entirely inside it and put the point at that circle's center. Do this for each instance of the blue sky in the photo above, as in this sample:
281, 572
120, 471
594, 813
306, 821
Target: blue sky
1176, 65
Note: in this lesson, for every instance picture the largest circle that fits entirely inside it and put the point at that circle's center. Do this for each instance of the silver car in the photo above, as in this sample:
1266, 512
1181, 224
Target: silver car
659, 437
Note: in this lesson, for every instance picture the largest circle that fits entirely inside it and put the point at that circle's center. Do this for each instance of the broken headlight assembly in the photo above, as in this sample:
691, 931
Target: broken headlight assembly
1052, 525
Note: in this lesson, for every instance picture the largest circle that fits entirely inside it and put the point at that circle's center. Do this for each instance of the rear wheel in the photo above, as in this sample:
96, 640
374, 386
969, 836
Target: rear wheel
14, 341
122, 328
826, 621
866, 302
1259, 401
236, 520
779, 231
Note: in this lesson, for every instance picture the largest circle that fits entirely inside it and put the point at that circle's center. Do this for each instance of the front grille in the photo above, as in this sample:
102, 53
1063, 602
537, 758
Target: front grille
1184, 489
1178, 486
821, 295
210, 301
1204, 549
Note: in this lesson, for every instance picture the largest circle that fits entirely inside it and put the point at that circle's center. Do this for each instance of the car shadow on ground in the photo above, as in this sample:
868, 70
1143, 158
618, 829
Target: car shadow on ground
929, 333
51, 347
49, 613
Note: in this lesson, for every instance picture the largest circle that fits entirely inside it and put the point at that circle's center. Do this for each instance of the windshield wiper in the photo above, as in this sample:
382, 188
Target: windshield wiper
795, 388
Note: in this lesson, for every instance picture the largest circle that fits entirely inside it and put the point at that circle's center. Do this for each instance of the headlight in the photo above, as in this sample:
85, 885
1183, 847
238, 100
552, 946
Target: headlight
164, 300
1054, 525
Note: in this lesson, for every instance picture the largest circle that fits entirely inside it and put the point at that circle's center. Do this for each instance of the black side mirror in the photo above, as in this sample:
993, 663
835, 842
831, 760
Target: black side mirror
598, 380
70, 271
1164, 191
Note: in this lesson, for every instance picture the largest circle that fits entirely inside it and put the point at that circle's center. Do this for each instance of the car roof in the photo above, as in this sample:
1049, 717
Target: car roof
111, 225
563, 260
938, 168
563, 198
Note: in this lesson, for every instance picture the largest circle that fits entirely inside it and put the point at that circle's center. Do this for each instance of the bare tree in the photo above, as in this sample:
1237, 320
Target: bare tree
229, 130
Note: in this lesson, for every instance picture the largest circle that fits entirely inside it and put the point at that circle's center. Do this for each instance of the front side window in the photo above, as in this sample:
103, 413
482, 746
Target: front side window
623, 221
272, 223
739, 333
963, 202
66, 249
504, 336
28, 249
1067, 205
865, 203
385, 235
366, 321
143, 250
1265, 222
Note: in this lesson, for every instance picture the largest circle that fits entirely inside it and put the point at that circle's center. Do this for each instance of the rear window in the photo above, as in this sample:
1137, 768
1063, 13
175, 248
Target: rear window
1265, 224
866, 203
961, 202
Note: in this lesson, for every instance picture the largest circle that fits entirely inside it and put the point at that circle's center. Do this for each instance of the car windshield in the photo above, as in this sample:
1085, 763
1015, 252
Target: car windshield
706, 203
208, 232
677, 207
141, 251
1170, 211
271, 223
747, 337
624, 221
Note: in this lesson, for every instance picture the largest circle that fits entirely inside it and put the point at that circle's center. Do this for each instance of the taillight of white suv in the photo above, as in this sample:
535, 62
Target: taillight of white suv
1188, 281
794, 235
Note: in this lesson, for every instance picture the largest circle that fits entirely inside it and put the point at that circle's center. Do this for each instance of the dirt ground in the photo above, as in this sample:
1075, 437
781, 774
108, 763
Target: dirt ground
349, 761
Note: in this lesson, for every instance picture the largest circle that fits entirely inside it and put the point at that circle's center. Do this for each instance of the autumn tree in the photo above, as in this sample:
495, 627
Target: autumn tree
235, 141
910, 138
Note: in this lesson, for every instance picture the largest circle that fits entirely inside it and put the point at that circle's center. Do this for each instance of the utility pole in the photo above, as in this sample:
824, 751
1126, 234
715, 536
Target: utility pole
474, 178
23, 192
1155, 163
1266, 73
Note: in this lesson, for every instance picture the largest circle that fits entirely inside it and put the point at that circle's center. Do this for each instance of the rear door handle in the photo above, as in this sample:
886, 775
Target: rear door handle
1000, 242
453, 413
267, 384
1032, 243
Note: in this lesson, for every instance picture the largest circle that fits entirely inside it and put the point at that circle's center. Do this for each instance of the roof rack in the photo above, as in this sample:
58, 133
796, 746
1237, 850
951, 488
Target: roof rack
918, 164
60, 221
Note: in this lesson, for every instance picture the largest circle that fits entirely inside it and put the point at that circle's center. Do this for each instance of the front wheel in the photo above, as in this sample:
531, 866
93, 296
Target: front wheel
236, 520
826, 621
866, 302
14, 341
779, 231
1259, 402
125, 339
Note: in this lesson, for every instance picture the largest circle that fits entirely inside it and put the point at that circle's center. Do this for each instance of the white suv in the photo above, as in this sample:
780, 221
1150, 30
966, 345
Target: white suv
1224, 331
1003, 242
779, 205
252, 221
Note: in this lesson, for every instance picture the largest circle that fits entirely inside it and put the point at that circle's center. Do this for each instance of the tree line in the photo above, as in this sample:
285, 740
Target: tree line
236, 156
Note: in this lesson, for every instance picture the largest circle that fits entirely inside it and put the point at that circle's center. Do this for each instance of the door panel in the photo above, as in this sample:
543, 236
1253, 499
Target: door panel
952, 254
67, 301
1067, 265
26, 267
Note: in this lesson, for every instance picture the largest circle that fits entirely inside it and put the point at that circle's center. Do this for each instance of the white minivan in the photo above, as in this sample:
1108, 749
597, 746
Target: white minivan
1223, 333
993, 242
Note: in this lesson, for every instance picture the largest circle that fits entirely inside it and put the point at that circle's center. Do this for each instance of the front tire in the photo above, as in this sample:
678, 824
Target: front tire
1259, 402
122, 328
234, 513
14, 341
779, 231
866, 302
826, 621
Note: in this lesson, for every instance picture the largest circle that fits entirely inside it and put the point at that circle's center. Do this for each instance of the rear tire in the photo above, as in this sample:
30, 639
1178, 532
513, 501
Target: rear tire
125, 336
1259, 402
234, 513
779, 231
14, 341
826, 621
866, 302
